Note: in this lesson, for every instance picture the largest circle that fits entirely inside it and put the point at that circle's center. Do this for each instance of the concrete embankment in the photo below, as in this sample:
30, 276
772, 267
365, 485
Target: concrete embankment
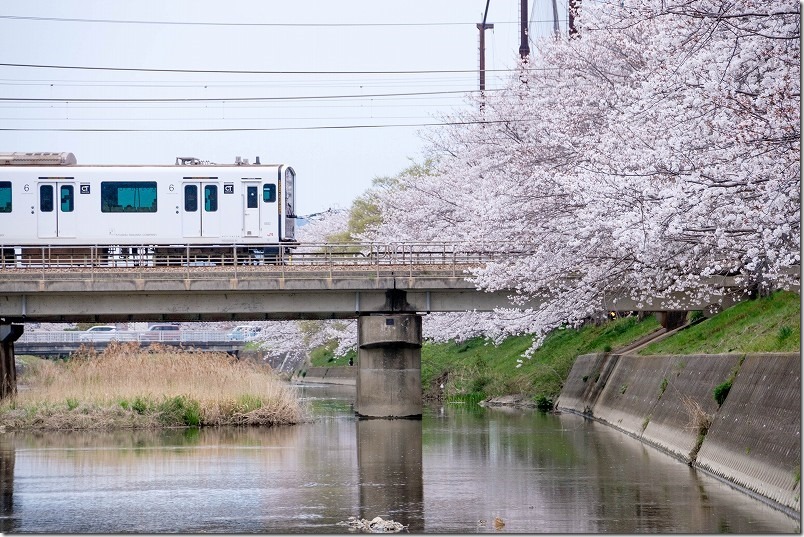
752, 440
329, 375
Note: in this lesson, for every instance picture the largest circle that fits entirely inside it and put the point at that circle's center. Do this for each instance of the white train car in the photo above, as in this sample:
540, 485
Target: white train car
47, 199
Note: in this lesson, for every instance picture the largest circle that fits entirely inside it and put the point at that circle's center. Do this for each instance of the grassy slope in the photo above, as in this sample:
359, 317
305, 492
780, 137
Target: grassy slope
481, 369
769, 324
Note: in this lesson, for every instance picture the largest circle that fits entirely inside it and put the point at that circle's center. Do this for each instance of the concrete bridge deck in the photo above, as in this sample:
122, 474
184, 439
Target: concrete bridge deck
315, 282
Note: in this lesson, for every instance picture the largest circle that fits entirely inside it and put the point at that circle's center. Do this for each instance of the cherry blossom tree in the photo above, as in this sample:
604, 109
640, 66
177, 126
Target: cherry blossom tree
656, 150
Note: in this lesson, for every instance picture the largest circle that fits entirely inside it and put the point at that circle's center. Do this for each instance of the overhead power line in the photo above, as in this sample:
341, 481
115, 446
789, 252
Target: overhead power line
241, 24
266, 129
230, 99
250, 72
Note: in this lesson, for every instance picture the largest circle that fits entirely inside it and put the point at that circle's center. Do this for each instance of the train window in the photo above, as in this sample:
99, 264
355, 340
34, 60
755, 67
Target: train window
46, 198
210, 198
190, 198
269, 193
5, 196
128, 197
66, 195
251, 197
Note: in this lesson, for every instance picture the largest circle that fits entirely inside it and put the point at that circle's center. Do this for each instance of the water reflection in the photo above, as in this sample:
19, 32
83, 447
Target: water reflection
453, 471
7, 458
389, 458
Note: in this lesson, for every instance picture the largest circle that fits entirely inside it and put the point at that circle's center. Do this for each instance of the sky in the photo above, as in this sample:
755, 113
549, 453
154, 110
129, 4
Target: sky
340, 91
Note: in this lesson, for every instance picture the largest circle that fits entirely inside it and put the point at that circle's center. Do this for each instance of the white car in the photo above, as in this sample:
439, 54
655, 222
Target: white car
99, 333
243, 333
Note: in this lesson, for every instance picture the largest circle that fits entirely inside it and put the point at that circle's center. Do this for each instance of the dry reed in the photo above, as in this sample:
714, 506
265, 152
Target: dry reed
129, 386
699, 422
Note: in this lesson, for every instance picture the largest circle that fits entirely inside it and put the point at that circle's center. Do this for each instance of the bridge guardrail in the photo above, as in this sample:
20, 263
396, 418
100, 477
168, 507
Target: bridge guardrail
144, 336
314, 260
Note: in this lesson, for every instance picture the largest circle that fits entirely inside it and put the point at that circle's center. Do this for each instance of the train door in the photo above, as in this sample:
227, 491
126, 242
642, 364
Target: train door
251, 208
289, 191
56, 214
200, 217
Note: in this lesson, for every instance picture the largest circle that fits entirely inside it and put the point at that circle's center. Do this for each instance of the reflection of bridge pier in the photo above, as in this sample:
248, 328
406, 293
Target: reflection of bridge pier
7, 459
389, 458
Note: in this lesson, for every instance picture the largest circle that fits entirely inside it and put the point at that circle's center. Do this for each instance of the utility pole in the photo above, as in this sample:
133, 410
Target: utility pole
524, 48
483, 27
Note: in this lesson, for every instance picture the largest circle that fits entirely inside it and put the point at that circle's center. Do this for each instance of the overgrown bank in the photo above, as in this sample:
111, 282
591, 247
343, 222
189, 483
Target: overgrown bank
476, 369
130, 387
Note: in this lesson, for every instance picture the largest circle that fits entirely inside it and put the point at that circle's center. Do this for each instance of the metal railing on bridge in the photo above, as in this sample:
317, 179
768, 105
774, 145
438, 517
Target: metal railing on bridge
384, 259
142, 336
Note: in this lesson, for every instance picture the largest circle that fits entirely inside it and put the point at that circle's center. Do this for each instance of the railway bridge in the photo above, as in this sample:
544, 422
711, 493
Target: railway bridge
386, 287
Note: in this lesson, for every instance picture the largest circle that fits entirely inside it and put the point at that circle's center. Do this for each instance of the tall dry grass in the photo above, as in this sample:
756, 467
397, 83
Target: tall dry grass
129, 386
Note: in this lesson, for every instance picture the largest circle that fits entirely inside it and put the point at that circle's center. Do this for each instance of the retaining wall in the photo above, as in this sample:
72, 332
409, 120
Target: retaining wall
754, 440
329, 375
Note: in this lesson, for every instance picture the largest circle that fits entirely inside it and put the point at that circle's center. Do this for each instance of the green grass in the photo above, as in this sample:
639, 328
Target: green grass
477, 367
324, 356
769, 324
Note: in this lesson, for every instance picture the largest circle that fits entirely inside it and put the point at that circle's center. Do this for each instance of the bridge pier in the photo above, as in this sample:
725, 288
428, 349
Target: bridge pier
9, 333
389, 357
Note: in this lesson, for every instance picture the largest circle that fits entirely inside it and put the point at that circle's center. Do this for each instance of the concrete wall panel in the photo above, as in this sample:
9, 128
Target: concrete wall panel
675, 423
632, 391
331, 375
755, 439
581, 388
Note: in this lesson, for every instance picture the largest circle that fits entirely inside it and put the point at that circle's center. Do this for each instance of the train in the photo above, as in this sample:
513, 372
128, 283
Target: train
48, 199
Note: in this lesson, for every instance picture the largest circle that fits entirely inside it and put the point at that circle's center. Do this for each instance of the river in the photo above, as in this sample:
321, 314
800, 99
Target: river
454, 471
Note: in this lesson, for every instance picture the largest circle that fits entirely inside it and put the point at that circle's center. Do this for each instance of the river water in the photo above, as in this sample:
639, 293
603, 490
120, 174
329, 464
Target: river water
454, 471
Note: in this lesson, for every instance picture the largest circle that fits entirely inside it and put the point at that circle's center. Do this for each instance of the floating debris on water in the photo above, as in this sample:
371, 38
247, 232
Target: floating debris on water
375, 525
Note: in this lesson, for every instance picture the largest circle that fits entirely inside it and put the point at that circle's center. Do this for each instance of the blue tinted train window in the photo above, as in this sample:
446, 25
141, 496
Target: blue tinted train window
269, 193
128, 197
46, 198
210, 198
67, 198
5, 196
190, 198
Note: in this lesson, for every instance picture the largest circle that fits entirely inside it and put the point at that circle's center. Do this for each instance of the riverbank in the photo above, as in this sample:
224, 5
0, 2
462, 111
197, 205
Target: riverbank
127, 387
735, 416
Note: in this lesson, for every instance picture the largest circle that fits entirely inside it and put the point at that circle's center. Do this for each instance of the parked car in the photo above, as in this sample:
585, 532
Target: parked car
99, 333
243, 333
162, 332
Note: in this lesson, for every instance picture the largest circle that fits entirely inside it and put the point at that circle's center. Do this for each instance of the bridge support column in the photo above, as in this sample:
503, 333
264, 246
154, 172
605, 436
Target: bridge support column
9, 333
389, 357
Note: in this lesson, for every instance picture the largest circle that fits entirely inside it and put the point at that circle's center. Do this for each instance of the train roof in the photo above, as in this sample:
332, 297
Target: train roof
68, 159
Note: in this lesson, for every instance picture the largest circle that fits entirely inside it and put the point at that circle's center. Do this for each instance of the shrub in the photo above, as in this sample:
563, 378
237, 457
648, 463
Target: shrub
140, 405
544, 403
662, 387
479, 384
784, 333
179, 410
721, 391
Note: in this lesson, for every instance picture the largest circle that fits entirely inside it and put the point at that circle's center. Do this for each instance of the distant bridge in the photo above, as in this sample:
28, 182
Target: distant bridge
62, 343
